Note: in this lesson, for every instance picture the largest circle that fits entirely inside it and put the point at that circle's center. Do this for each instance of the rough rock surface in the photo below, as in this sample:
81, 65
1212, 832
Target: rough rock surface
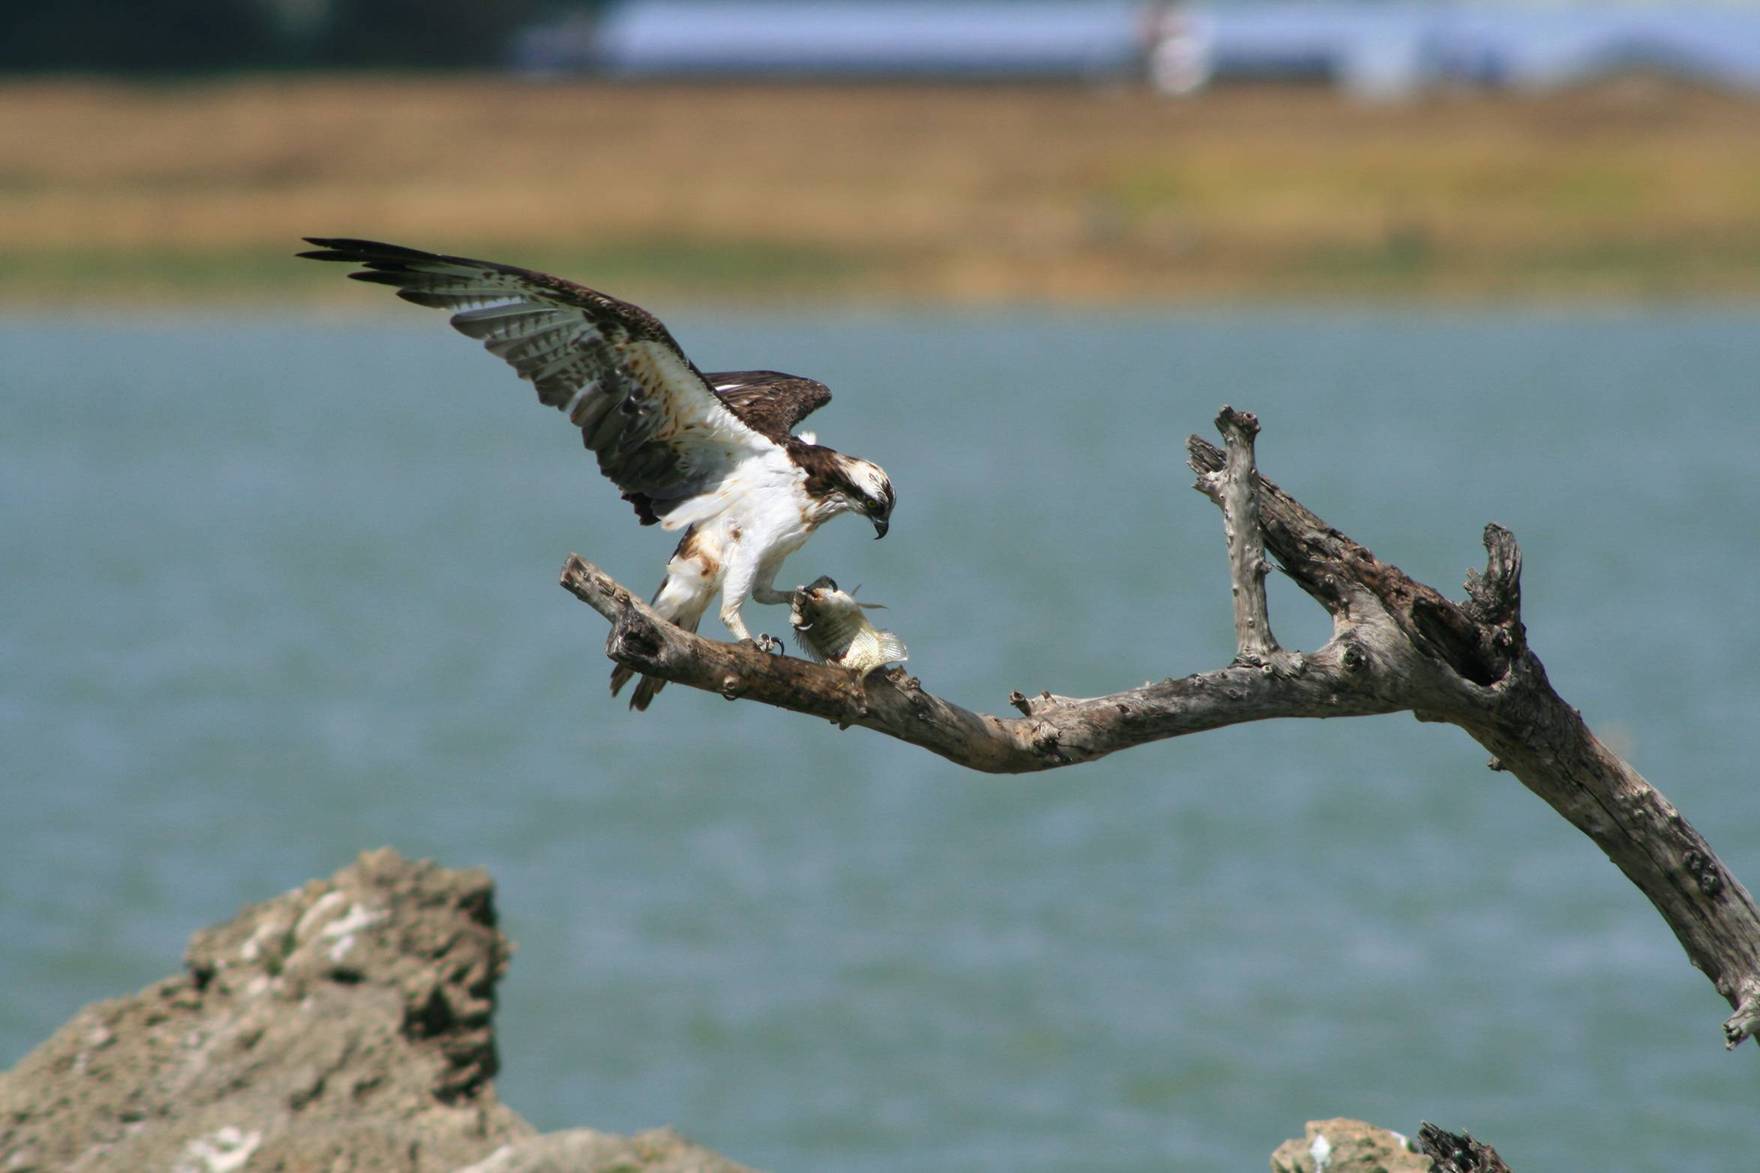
1342, 1145
346, 1025
658, 1151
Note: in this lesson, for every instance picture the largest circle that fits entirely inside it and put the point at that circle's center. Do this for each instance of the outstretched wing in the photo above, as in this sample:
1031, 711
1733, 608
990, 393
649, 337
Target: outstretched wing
769, 402
661, 433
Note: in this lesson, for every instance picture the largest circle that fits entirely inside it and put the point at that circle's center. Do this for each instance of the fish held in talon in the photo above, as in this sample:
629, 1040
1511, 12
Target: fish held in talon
831, 626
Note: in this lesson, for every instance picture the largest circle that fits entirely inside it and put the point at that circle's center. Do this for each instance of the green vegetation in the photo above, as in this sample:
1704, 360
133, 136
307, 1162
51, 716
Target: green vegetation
199, 192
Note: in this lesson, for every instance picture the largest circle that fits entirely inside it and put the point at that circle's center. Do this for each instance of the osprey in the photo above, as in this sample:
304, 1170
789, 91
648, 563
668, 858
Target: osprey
712, 454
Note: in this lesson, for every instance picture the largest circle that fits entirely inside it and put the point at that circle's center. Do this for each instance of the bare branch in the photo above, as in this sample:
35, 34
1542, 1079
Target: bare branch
1053, 731
1396, 645
1452, 1152
1745, 1022
1235, 491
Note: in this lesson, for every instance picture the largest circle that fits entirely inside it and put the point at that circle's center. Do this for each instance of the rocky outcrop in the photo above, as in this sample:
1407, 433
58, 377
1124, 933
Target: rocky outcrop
349, 1025
658, 1151
346, 1025
1342, 1145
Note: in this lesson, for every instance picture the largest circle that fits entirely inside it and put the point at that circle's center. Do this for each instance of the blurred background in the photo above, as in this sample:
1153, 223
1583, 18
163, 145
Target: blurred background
1039, 150
277, 572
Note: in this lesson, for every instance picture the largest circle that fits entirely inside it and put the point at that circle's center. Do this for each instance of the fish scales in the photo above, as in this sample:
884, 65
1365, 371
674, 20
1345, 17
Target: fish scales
831, 626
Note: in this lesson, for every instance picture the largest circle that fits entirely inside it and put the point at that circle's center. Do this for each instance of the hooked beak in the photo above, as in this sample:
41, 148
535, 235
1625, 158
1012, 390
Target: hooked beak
881, 525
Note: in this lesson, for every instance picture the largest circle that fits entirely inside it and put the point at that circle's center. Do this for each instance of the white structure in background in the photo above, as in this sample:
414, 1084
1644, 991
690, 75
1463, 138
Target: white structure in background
1179, 51
1376, 50
1372, 50
850, 38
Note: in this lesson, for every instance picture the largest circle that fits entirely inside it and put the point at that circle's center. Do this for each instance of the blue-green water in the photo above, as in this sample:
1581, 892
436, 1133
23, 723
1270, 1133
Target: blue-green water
278, 590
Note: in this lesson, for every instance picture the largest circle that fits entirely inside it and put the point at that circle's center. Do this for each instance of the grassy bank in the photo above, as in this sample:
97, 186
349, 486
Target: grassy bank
198, 192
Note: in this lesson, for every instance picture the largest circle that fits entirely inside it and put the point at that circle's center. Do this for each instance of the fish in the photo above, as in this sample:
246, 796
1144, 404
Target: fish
832, 628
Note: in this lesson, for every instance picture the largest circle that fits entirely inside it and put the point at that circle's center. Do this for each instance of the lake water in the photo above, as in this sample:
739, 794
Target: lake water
279, 589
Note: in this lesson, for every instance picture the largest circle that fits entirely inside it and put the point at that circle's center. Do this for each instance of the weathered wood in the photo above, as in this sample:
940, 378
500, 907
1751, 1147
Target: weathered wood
1397, 645
1054, 730
1452, 1152
1234, 489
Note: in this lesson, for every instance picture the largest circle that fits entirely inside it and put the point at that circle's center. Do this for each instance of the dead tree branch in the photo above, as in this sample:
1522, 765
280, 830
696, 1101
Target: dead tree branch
1232, 488
1453, 1152
1397, 645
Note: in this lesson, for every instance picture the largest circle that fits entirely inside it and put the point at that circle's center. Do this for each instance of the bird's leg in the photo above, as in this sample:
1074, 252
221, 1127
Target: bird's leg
730, 618
760, 588
730, 604
764, 588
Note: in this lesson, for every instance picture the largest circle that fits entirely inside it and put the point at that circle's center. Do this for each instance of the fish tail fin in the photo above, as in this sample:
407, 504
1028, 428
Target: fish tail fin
891, 647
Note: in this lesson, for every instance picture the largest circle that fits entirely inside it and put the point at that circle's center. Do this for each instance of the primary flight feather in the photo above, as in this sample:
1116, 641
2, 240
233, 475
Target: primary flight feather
712, 454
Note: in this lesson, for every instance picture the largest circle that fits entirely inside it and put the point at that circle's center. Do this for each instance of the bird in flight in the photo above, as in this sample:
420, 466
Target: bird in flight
713, 454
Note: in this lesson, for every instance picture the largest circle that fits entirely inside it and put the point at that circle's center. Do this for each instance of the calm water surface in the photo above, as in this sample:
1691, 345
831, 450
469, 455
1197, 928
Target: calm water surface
279, 590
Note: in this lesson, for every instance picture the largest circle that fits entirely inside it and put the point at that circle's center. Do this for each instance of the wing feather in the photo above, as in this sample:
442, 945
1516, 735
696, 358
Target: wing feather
660, 431
769, 402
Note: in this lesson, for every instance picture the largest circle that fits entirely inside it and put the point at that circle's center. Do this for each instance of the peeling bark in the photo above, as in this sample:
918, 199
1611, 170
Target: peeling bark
1397, 645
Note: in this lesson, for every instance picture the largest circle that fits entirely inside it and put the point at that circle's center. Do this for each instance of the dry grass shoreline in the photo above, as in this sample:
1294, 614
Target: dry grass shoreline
166, 194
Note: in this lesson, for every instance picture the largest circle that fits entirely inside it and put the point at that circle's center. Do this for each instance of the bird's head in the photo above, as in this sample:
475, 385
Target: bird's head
867, 490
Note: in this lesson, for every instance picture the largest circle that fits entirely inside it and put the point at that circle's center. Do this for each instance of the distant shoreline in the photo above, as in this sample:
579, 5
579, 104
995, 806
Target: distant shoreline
159, 195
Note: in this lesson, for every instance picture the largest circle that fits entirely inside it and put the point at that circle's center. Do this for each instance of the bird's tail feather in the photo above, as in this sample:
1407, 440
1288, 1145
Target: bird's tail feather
645, 693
